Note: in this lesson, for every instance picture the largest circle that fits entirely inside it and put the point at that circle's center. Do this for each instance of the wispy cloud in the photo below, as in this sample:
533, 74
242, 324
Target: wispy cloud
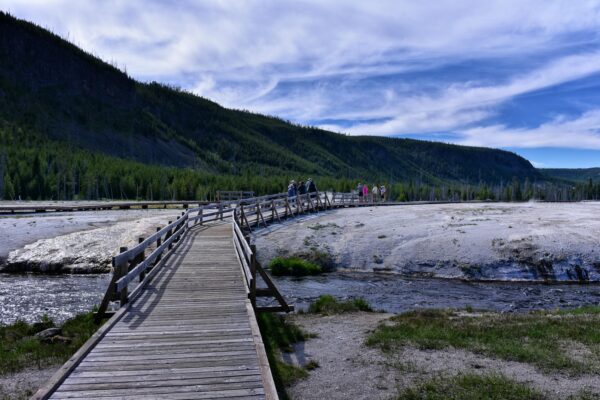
581, 132
383, 68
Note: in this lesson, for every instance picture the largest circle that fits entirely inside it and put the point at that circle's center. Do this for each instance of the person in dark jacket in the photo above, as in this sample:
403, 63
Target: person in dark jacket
310, 186
301, 188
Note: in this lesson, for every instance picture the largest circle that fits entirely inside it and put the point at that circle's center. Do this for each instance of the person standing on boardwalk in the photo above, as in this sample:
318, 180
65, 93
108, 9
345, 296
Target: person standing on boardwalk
382, 192
310, 186
301, 188
375, 193
359, 189
292, 189
365, 193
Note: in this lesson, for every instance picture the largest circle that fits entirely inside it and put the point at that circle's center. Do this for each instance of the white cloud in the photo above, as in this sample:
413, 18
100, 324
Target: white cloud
463, 104
329, 55
582, 132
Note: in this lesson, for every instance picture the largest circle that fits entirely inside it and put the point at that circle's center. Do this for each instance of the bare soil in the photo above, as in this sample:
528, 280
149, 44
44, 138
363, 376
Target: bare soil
348, 369
24, 384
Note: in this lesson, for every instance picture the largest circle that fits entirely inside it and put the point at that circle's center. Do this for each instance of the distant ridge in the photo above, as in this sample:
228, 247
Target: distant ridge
574, 175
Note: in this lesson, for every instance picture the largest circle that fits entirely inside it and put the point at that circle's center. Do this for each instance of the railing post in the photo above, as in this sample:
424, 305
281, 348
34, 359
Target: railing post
178, 238
201, 215
123, 269
258, 214
141, 258
110, 294
253, 273
221, 210
158, 243
169, 234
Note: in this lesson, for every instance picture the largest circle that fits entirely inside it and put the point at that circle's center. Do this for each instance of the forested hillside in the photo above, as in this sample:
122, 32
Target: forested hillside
575, 174
53, 89
73, 126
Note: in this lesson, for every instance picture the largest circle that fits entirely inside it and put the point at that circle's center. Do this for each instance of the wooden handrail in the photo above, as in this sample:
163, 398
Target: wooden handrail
148, 262
133, 263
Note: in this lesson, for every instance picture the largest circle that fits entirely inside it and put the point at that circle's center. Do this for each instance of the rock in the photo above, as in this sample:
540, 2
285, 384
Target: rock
48, 333
60, 339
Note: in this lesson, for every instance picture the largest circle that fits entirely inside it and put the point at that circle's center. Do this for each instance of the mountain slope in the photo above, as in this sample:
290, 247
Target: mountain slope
574, 175
53, 88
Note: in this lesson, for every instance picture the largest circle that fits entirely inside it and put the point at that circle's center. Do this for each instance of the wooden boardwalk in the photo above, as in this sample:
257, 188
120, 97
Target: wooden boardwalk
191, 334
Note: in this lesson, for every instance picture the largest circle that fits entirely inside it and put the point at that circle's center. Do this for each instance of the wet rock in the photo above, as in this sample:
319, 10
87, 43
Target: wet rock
86, 252
48, 333
59, 339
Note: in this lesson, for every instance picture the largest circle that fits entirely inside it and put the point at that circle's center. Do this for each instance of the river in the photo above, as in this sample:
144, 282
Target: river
393, 293
30, 296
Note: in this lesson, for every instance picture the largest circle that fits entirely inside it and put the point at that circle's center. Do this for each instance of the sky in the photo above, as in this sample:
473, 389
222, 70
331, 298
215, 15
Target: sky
522, 75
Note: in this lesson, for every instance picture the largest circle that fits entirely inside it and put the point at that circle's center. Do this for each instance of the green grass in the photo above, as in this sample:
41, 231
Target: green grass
293, 266
471, 387
279, 335
327, 304
537, 338
19, 348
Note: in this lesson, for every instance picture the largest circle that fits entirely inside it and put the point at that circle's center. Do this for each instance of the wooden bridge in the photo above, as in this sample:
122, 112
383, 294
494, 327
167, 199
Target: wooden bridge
185, 326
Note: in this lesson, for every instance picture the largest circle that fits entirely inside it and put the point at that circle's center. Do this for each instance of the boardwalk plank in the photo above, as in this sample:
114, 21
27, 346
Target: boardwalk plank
188, 334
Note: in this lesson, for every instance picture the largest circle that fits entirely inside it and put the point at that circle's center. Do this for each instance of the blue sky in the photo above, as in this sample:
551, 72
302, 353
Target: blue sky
516, 74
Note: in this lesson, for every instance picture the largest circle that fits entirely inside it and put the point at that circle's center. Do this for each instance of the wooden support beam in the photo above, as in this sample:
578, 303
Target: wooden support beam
253, 264
141, 258
275, 211
158, 243
275, 309
123, 268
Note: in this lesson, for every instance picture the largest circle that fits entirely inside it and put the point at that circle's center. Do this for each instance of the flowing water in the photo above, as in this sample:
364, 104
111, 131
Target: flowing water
393, 293
30, 296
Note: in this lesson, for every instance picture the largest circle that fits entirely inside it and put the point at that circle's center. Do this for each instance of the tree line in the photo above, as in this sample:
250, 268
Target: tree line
36, 168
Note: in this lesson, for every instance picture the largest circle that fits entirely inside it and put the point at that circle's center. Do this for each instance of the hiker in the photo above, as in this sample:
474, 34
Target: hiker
292, 189
301, 188
365, 193
310, 186
359, 189
382, 192
375, 193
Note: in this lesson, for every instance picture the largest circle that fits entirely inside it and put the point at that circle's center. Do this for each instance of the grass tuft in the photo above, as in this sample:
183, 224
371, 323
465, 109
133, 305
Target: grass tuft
537, 338
279, 335
20, 349
327, 304
293, 266
471, 387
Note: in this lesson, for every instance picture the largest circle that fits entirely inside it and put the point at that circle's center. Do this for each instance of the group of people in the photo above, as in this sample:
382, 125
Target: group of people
377, 193
296, 189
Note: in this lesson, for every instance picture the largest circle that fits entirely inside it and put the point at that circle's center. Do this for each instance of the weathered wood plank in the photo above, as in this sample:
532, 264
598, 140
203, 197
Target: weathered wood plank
189, 333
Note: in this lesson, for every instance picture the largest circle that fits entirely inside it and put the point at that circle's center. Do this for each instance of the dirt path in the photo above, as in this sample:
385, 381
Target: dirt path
347, 369
24, 384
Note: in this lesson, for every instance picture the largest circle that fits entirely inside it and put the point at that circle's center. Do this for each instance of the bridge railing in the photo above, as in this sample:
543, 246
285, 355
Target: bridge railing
246, 214
133, 263
251, 267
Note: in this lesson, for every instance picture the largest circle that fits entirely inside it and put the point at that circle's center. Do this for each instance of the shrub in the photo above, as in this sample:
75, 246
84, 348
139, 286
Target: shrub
293, 266
327, 304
